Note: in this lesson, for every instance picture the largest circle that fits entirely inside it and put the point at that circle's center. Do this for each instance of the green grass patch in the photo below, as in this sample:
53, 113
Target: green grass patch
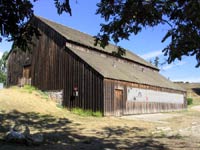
189, 101
43, 95
59, 106
86, 113
30, 89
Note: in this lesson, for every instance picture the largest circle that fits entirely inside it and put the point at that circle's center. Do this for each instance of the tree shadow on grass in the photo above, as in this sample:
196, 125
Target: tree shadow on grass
62, 133
32, 120
130, 142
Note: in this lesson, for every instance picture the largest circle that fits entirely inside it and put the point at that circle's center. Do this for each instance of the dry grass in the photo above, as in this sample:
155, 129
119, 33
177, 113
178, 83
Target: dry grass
21, 100
65, 130
61, 128
193, 91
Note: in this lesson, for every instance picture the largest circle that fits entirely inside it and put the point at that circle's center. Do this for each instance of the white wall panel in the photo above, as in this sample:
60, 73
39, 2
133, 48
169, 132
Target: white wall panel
144, 95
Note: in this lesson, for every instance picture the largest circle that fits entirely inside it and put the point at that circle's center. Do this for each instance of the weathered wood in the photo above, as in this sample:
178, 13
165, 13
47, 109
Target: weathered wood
16, 64
56, 67
131, 107
27, 72
118, 102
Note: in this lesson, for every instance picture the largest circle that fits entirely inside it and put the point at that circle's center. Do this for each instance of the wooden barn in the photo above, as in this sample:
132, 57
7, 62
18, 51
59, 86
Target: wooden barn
92, 77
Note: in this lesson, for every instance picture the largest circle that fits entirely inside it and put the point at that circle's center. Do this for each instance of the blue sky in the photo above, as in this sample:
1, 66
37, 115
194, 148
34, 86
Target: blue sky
146, 44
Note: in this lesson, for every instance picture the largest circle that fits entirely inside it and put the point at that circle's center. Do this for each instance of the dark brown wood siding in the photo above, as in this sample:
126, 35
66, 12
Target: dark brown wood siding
134, 107
56, 67
16, 62
88, 82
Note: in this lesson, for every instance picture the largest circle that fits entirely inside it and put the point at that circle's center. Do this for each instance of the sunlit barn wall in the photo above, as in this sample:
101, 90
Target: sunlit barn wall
143, 99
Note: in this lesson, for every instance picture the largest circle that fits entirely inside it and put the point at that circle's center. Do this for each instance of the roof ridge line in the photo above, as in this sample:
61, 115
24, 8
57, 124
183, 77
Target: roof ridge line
145, 63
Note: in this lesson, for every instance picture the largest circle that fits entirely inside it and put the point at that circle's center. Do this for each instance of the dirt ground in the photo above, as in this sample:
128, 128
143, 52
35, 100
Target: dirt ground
197, 108
157, 118
63, 130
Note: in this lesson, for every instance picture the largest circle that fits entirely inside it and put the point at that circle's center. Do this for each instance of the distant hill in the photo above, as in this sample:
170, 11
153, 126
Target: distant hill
193, 89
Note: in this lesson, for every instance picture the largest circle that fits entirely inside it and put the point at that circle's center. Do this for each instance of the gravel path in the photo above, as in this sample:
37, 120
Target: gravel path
158, 117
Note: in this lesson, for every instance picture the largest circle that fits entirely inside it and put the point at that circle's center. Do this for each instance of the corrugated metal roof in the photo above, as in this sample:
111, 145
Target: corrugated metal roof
88, 40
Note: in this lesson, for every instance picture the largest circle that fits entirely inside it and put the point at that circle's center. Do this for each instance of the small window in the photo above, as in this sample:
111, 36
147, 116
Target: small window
27, 72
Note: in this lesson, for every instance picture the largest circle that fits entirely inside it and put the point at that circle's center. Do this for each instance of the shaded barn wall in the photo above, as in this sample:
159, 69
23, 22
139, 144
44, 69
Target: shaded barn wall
88, 82
16, 61
46, 59
55, 67
154, 103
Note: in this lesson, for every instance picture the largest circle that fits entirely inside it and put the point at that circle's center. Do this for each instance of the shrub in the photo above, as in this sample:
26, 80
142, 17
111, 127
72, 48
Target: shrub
189, 101
86, 113
2, 78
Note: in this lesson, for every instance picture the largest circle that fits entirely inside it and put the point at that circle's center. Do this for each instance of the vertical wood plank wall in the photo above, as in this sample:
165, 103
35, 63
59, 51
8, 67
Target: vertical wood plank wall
134, 107
16, 61
55, 67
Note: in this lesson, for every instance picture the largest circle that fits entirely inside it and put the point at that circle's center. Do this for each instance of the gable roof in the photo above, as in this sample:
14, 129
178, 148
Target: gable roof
107, 66
120, 70
88, 40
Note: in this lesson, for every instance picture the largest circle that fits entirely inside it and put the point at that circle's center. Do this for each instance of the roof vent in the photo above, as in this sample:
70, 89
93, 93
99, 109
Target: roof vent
142, 69
114, 65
